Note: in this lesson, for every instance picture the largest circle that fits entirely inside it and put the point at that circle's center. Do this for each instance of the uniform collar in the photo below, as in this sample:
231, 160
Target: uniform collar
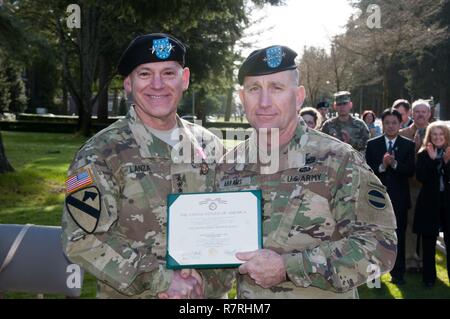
350, 119
151, 146
290, 155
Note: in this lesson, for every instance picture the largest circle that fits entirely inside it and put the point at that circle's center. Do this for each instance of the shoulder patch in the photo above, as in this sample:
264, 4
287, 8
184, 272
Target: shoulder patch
376, 199
84, 206
79, 180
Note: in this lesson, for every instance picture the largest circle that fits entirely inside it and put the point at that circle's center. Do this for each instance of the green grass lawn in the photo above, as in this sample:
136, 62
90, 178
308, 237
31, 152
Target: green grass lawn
35, 194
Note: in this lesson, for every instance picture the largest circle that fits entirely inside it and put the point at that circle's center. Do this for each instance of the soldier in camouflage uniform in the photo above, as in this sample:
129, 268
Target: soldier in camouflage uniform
345, 127
114, 221
328, 222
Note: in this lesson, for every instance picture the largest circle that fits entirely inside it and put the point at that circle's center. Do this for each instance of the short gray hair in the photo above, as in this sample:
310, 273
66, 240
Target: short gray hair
296, 74
420, 102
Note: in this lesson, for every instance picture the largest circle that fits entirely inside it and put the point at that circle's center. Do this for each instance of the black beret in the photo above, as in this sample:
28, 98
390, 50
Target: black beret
322, 104
267, 61
154, 47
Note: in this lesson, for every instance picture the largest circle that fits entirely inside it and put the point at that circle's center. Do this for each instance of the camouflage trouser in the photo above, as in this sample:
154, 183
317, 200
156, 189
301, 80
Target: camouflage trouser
286, 290
413, 256
106, 292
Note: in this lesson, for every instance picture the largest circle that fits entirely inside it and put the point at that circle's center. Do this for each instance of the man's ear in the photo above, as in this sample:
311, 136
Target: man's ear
300, 97
351, 105
241, 95
334, 106
127, 84
186, 76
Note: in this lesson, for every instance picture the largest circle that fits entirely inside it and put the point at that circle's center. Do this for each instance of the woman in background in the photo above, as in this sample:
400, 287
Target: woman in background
432, 213
369, 118
312, 117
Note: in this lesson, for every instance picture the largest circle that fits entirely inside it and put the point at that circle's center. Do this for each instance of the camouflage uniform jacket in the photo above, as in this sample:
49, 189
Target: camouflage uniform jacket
115, 225
358, 130
324, 211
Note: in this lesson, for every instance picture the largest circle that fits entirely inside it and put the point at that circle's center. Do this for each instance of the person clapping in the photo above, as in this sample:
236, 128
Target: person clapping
432, 213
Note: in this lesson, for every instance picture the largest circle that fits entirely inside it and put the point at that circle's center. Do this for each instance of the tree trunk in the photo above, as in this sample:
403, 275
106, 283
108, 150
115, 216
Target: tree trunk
444, 101
335, 69
30, 90
115, 103
385, 86
84, 121
228, 105
123, 108
102, 110
89, 38
4, 163
65, 100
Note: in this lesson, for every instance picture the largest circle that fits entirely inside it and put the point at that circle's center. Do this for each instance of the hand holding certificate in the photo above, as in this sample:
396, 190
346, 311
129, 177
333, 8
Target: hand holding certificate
206, 230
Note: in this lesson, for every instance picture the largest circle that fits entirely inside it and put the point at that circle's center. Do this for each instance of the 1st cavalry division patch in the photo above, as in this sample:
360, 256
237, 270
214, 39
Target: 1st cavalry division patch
84, 207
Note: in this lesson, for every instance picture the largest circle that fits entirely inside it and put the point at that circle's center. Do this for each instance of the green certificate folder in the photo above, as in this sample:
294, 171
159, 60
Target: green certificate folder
206, 230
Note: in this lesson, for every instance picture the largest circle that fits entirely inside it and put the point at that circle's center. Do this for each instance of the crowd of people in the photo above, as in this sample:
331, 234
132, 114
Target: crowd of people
411, 157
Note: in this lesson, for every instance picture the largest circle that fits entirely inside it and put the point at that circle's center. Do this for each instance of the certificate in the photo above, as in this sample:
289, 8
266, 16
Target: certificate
206, 230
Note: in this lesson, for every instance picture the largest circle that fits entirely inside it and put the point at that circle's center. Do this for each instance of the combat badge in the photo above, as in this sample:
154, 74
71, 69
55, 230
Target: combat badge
84, 207
309, 159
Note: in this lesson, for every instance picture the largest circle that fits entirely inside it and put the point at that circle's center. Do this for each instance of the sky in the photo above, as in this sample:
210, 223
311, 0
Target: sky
300, 23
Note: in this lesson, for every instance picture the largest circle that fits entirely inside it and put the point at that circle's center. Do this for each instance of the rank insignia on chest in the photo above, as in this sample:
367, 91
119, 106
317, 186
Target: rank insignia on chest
179, 181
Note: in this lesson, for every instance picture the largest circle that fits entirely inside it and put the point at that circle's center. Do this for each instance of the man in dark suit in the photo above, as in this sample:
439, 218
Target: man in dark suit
391, 157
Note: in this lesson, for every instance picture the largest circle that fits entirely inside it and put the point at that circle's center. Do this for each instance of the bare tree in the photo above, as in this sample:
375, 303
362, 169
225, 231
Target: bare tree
315, 73
403, 27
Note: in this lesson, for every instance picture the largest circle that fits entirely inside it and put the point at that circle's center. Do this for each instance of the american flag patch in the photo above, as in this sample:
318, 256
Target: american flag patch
78, 181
